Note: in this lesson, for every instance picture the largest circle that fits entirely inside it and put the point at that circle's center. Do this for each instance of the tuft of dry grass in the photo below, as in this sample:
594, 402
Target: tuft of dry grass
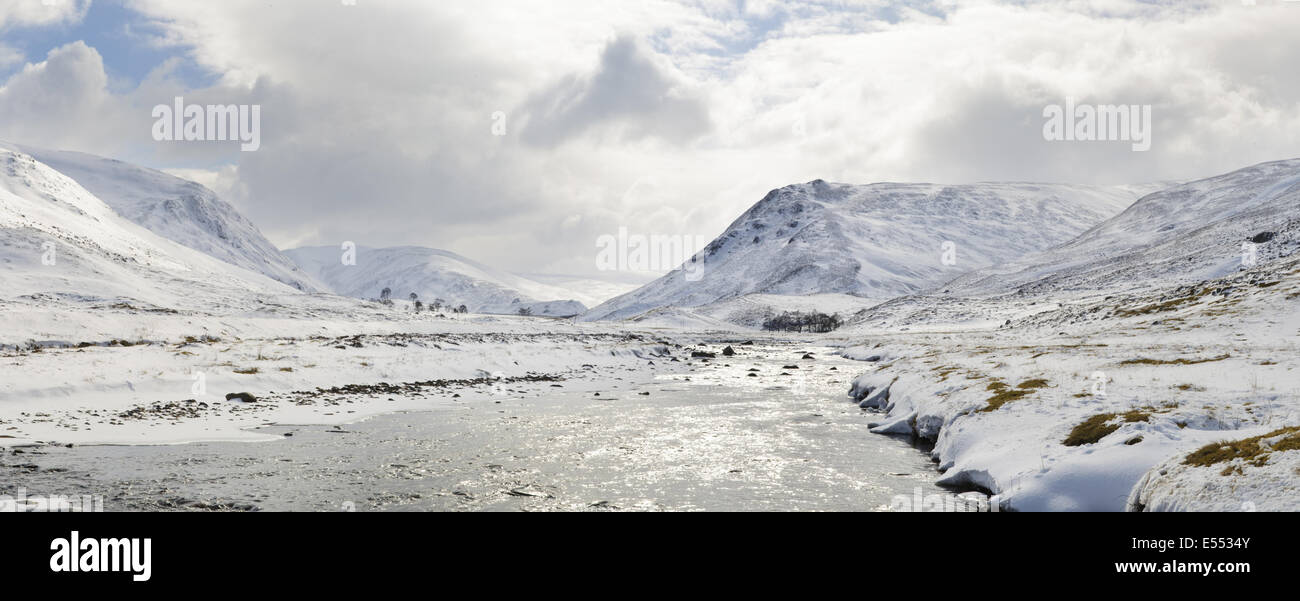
1161, 307
1102, 425
1250, 450
1002, 394
1091, 430
1178, 361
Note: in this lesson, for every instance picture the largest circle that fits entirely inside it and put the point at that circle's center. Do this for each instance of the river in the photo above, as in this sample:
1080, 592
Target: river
712, 437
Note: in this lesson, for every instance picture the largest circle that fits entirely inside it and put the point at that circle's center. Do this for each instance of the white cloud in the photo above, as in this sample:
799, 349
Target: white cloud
27, 13
60, 101
377, 118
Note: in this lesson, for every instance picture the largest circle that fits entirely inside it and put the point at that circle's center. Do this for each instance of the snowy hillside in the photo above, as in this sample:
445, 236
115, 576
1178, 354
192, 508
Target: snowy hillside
433, 274
179, 210
1109, 373
875, 241
61, 244
1103, 403
1190, 232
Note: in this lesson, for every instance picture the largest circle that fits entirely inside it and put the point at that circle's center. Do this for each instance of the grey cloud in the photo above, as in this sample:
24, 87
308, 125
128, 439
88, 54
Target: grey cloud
628, 95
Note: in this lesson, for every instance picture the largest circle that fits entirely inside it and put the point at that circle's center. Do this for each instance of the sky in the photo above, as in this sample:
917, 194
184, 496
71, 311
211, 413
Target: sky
518, 133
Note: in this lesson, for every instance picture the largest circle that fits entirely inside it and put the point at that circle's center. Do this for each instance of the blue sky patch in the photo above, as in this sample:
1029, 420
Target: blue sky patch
120, 35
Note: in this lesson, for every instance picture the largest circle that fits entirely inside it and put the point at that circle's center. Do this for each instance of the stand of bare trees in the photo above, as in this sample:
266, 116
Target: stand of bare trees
798, 321
386, 298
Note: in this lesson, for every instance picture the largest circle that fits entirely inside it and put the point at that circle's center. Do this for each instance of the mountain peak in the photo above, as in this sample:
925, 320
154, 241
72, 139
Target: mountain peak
876, 240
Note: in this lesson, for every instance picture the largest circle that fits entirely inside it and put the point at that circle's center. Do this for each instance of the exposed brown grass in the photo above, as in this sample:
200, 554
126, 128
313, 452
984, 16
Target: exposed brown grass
1178, 361
1249, 450
1091, 430
1102, 425
1161, 307
1003, 394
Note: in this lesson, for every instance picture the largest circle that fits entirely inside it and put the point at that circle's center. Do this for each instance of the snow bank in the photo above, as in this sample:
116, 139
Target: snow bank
1047, 421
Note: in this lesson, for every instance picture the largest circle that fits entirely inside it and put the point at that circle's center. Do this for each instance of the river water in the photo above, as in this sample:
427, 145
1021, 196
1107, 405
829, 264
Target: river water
709, 437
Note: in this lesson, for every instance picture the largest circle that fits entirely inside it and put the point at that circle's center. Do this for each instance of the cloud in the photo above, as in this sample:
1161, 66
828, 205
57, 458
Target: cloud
29, 13
10, 56
378, 117
60, 101
630, 96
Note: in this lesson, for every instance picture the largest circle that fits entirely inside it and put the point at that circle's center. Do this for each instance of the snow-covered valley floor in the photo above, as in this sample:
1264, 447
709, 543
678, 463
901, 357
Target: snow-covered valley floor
168, 381
1050, 412
1180, 398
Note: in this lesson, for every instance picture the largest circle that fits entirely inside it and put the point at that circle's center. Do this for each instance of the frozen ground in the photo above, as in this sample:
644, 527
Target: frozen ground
174, 375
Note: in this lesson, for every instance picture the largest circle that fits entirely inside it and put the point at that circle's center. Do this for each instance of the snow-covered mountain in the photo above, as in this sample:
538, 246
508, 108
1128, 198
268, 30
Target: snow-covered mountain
1195, 231
433, 274
62, 247
1196, 345
181, 211
875, 241
1166, 248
